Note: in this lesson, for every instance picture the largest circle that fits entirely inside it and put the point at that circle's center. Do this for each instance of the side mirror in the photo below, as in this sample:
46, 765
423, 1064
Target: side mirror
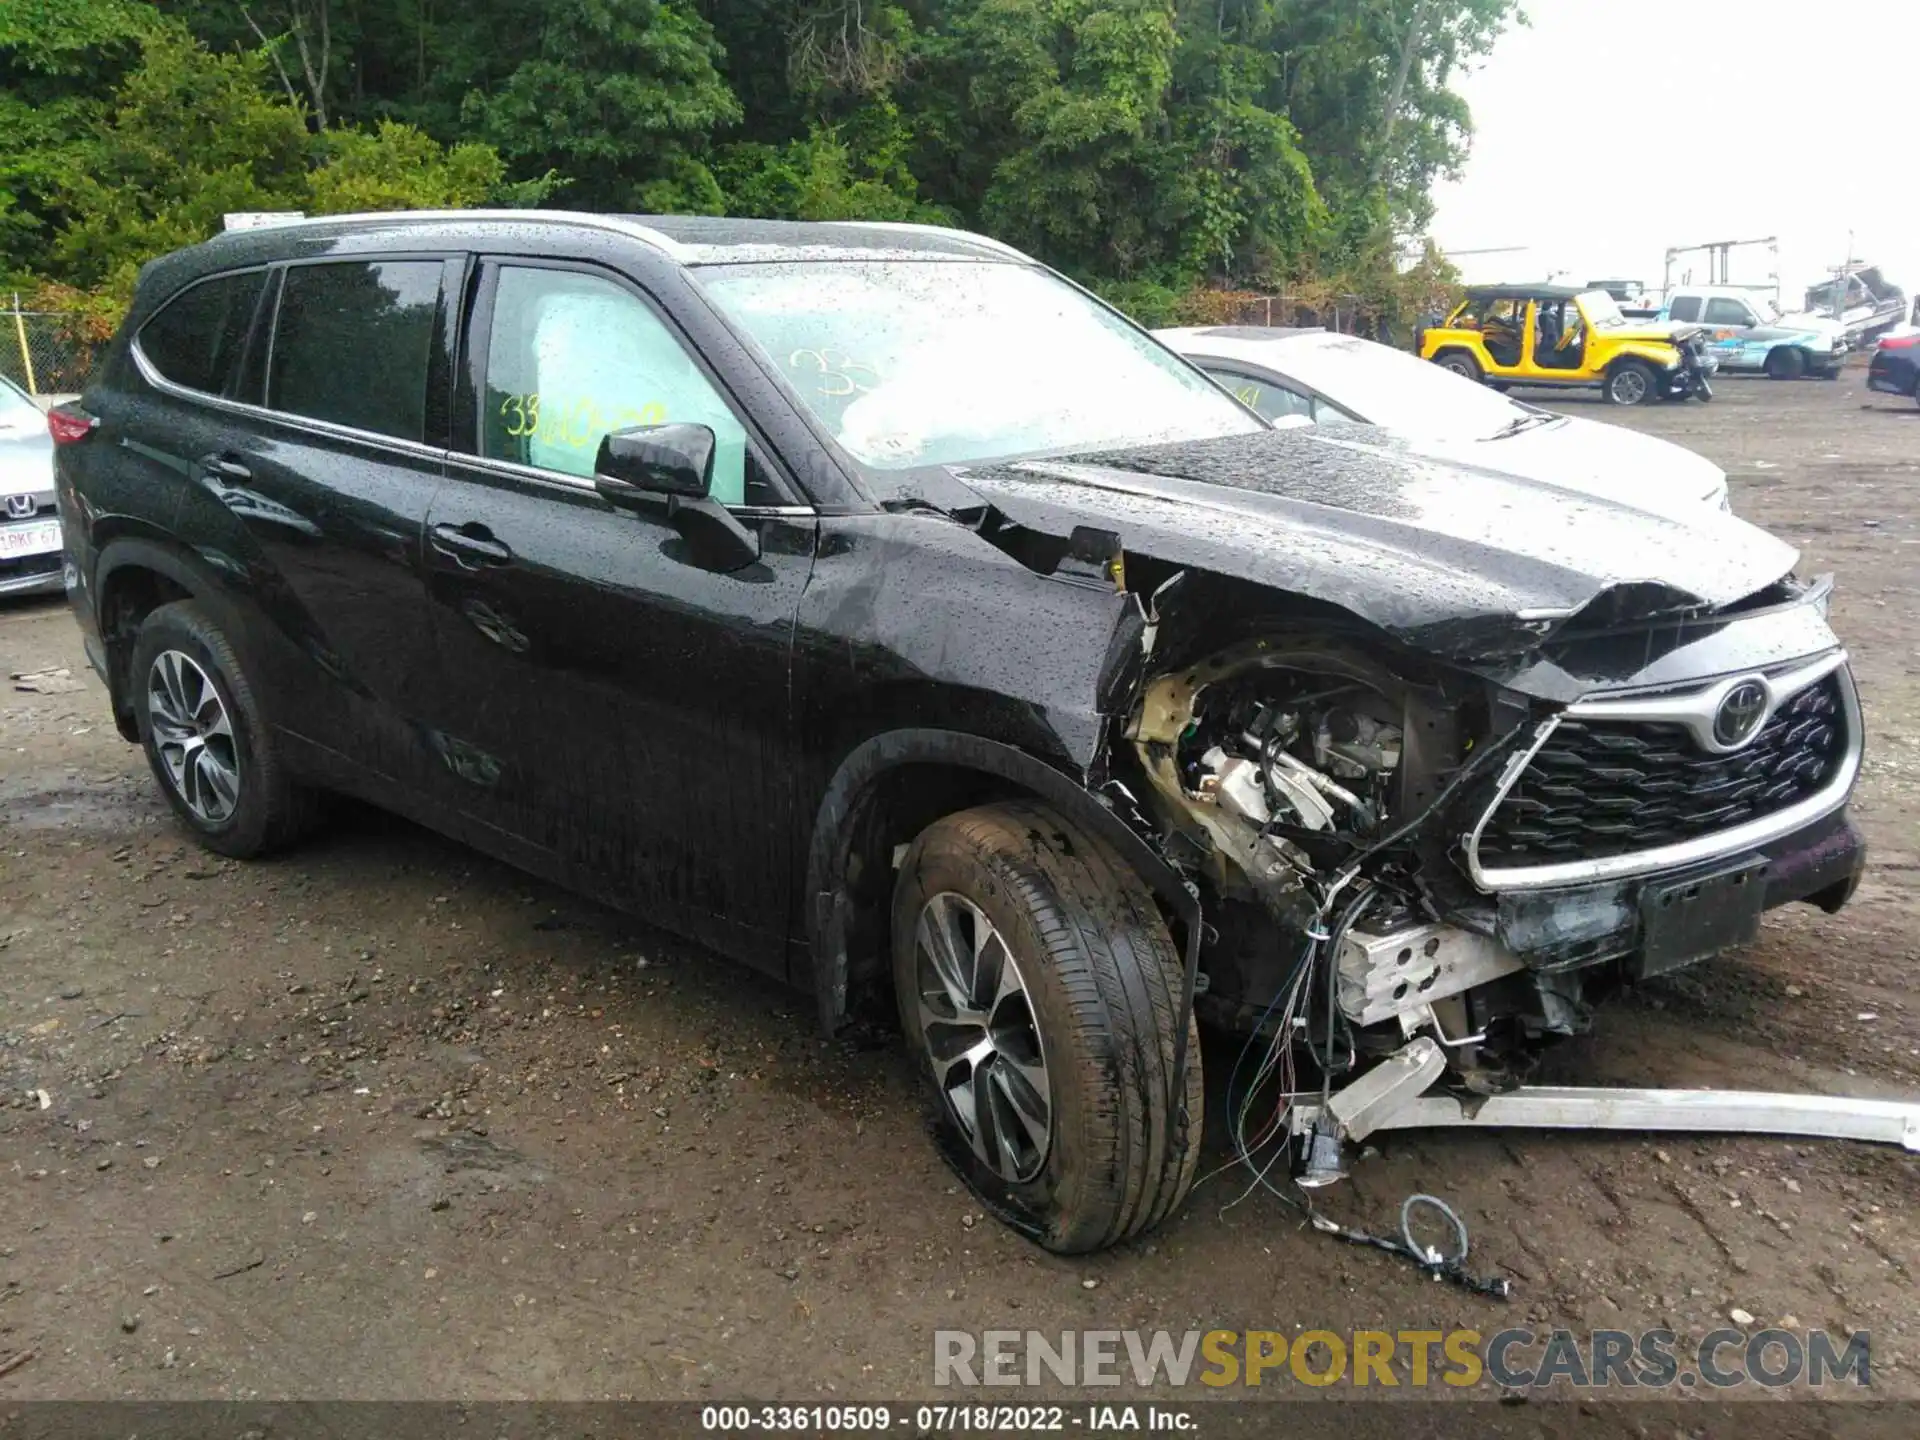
655, 460
639, 466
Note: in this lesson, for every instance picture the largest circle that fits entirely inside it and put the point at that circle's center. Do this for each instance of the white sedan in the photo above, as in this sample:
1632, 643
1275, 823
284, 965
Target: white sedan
1315, 377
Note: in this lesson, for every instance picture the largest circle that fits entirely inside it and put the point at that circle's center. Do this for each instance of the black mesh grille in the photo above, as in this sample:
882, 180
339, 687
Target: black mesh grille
1610, 787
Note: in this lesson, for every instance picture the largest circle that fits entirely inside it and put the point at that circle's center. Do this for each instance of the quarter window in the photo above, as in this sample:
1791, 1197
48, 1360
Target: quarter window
571, 357
1686, 309
197, 338
352, 342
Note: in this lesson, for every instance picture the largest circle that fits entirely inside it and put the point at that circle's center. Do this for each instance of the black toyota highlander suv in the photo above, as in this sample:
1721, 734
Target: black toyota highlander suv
878, 608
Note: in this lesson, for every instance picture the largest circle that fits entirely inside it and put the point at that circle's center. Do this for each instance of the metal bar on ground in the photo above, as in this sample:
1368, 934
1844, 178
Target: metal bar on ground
1732, 1112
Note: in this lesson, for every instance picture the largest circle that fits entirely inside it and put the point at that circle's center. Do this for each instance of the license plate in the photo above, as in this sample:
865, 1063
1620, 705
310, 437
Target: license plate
1686, 920
34, 539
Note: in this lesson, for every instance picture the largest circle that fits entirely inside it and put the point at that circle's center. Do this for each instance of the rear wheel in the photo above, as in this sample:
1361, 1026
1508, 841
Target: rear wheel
1631, 382
1785, 363
1038, 987
205, 738
1461, 364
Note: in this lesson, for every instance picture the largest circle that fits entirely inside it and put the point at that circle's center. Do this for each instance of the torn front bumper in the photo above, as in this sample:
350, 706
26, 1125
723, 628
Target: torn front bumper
1552, 931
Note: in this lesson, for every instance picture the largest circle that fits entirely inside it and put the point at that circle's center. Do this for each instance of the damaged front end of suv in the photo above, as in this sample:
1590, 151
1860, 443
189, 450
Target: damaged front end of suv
1444, 755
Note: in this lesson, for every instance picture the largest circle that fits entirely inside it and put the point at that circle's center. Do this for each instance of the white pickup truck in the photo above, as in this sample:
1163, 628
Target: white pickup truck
1746, 331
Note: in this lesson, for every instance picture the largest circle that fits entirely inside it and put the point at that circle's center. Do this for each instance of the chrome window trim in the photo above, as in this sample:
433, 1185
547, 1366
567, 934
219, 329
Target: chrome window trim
408, 447
1751, 835
515, 469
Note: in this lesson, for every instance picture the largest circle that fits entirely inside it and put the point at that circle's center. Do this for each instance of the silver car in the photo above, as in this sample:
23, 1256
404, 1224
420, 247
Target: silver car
29, 525
1315, 377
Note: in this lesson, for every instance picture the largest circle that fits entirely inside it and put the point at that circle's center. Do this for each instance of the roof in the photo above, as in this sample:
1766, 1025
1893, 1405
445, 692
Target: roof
1253, 344
1524, 292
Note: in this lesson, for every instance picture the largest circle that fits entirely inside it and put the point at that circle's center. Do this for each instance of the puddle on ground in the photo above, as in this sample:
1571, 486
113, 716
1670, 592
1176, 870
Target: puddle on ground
34, 803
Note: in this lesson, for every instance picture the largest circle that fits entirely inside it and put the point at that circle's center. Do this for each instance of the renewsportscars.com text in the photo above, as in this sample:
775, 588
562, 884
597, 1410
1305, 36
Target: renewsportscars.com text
1387, 1359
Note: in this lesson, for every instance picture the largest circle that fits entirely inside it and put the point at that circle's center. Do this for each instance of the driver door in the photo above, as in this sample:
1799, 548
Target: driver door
613, 714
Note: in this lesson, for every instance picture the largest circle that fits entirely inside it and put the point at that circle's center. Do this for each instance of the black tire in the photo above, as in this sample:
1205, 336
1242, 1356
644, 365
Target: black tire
1631, 382
1101, 979
1460, 363
1786, 363
269, 810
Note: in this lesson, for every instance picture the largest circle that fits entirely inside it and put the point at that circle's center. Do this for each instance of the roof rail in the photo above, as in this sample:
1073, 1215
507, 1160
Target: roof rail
985, 242
615, 223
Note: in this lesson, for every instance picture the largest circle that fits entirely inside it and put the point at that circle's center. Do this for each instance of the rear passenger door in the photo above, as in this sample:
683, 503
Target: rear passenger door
621, 713
328, 479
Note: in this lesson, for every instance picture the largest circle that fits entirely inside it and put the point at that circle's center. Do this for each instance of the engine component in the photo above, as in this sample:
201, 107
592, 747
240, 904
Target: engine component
1384, 974
1238, 785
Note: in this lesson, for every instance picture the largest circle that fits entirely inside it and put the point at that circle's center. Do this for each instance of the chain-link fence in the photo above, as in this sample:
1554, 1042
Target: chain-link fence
1348, 314
44, 352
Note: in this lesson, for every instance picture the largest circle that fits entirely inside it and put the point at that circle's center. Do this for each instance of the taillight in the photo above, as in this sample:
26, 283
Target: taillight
1899, 342
69, 424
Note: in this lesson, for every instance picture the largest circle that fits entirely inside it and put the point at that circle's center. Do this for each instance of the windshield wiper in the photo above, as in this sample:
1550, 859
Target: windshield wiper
1526, 422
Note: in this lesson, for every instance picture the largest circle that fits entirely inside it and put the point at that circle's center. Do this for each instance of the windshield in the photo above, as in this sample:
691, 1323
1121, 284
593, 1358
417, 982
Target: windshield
913, 363
17, 412
1389, 387
1601, 310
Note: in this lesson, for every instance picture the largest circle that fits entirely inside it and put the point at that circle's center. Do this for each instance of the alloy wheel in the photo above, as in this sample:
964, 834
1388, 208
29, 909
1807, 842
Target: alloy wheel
194, 736
1629, 387
977, 1023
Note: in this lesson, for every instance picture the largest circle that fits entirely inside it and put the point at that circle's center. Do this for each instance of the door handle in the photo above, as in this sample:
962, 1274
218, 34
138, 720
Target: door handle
470, 546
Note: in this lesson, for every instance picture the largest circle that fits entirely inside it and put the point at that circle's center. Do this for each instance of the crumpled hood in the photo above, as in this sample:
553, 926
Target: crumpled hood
1594, 458
1460, 560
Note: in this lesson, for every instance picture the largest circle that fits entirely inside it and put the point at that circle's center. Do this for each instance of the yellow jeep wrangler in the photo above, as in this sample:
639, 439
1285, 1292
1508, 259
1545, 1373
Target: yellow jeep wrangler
1555, 335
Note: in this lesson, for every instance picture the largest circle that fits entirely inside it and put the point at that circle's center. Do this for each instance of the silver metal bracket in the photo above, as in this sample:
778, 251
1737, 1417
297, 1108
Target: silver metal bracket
1387, 1089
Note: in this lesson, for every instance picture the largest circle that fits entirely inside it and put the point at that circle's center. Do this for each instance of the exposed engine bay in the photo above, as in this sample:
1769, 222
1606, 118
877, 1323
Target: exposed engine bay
1285, 778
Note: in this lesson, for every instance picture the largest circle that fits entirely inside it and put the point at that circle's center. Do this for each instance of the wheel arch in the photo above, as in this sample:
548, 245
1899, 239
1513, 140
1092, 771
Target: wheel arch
888, 789
133, 576
1474, 352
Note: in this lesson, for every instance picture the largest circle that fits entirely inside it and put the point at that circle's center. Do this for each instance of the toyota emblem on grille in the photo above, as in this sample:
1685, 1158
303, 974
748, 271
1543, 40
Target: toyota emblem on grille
20, 507
1741, 710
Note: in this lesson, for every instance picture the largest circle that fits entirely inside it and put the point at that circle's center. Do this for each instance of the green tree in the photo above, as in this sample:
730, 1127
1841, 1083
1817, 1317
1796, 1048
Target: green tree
621, 97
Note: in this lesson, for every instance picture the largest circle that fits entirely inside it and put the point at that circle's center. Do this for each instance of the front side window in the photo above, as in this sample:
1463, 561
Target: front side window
1721, 311
921, 362
1686, 309
196, 340
571, 357
352, 342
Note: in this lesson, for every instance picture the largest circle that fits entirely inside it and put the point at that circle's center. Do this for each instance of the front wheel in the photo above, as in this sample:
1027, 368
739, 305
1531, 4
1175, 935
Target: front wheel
1631, 382
1039, 989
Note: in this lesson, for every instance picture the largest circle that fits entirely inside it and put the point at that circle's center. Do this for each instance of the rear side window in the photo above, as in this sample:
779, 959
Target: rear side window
1728, 312
1686, 309
352, 342
196, 339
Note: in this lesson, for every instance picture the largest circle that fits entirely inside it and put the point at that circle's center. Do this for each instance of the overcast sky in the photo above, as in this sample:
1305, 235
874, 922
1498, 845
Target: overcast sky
1608, 130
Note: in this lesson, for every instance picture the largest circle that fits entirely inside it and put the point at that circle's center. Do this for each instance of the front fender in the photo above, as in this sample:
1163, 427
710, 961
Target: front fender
1661, 357
855, 783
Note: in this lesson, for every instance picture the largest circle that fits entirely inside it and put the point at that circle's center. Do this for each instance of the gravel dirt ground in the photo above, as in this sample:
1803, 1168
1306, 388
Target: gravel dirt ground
383, 1119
